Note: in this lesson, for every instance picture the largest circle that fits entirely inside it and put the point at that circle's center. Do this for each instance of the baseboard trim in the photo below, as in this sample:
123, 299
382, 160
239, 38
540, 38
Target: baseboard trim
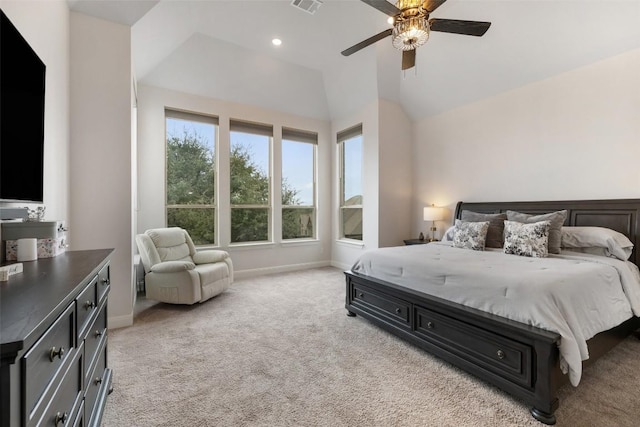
243, 274
116, 322
340, 265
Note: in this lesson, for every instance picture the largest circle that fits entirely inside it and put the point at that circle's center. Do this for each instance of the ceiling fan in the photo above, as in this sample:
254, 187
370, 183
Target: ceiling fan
411, 26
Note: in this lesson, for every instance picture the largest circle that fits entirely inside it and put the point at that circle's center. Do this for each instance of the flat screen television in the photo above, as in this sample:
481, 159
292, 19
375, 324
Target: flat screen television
22, 84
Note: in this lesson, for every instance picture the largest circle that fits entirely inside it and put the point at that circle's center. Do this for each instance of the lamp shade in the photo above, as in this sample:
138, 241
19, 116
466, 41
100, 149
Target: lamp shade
432, 213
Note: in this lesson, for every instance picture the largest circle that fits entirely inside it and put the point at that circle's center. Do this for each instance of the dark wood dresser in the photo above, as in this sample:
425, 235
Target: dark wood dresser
53, 341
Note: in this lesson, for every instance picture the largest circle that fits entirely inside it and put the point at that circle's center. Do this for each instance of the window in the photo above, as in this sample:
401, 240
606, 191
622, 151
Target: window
350, 148
298, 184
191, 174
250, 169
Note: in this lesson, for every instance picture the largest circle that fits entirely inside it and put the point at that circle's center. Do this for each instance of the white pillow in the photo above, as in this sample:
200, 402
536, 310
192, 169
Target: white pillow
615, 244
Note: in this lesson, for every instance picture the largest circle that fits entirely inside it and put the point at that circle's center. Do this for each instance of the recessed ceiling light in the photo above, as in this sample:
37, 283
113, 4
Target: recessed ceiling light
276, 42
390, 20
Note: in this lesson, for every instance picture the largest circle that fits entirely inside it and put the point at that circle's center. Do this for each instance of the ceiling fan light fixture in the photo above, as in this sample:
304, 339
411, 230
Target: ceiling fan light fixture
410, 33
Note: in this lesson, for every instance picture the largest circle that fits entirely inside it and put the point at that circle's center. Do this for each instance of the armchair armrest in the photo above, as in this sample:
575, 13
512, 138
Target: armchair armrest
172, 266
209, 256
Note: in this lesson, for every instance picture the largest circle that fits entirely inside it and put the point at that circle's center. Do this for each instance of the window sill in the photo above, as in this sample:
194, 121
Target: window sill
350, 242
251, 245
300, 242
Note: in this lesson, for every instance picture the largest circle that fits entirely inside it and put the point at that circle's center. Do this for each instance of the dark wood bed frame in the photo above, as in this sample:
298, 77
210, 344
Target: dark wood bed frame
521, 360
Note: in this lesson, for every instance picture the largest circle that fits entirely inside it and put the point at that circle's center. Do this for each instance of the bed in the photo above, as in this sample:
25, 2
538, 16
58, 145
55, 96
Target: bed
521, 359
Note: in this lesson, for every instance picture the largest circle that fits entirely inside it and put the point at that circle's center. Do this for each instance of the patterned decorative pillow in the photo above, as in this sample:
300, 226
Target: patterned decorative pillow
555, 218
470, 235
448, 235
495, 238
527, 239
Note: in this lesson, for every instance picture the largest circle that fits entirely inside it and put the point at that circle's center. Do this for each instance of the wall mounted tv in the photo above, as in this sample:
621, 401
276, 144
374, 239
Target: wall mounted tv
22, 83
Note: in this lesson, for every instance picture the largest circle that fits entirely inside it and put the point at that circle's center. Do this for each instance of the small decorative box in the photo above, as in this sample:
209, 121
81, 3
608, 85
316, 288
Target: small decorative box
47, 248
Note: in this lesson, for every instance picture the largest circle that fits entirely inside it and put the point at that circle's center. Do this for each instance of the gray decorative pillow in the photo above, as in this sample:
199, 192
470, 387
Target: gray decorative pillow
556, 219
470, 235
495, 236
526, 239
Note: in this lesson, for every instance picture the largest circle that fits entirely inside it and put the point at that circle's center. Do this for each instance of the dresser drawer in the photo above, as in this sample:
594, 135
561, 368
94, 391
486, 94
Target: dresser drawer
46, 358
496, 353
97, 330
104, 281
87, 304
96, 381
67, 401
396, 311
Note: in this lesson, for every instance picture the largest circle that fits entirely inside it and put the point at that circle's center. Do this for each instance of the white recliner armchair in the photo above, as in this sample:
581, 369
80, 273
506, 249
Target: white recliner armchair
178, 274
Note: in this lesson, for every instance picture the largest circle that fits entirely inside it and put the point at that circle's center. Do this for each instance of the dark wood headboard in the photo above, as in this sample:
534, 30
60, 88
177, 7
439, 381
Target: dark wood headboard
622, 215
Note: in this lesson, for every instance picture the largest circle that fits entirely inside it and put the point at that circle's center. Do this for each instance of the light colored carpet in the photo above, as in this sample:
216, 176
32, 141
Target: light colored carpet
279, 350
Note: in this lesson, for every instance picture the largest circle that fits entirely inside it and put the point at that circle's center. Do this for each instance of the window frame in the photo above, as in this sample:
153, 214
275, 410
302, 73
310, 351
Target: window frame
248, 127
301, 137
189, 116
342, 137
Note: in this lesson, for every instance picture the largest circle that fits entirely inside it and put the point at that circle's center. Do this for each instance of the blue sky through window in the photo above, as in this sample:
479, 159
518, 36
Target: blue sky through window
352, 167
256, 145
205, 131
297, 169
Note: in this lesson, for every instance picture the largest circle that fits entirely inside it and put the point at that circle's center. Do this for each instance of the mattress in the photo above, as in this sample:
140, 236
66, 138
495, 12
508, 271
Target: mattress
573, 294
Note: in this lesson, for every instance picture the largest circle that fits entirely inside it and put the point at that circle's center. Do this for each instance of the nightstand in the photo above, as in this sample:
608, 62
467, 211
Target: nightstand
415, 242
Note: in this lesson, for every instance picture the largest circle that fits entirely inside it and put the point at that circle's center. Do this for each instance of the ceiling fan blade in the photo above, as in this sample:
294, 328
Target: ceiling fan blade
367, 42
431, 5
408, 59
469, 28
383, 6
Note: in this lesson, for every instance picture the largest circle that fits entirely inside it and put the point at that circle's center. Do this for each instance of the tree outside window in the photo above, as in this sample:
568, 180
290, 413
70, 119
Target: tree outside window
191, 175
191, 179
250, 173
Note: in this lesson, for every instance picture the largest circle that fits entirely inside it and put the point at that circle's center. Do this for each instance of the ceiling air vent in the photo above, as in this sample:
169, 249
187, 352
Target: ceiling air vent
309, 6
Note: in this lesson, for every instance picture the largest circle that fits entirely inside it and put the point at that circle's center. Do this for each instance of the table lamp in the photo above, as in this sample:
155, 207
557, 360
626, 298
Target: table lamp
433, 214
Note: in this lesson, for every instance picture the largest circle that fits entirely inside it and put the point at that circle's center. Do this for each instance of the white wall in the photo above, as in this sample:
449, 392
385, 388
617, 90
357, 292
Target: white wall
394, 175
101, 194
572, 136
251, 258
45, 26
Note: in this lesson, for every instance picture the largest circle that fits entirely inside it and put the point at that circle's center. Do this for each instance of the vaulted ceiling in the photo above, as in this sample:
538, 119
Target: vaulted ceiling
222, 49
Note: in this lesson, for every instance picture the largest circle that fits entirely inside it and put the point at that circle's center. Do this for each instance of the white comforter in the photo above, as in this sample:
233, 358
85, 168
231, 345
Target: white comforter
576, 295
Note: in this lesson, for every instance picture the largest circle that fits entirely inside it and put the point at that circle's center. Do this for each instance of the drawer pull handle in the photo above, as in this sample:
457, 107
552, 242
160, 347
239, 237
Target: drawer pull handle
89, 305
361, 295
398, 310
105, 281
61, 418
98, 380
56, 352
98, 333
430, 325
501, 354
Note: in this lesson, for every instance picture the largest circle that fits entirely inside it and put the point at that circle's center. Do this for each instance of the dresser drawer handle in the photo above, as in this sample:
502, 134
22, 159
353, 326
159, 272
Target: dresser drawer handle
361, 295
98, 380
430, 325
398, 310
501, 354
89, 305
56, 352
105, 281
98, 333
61, 418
